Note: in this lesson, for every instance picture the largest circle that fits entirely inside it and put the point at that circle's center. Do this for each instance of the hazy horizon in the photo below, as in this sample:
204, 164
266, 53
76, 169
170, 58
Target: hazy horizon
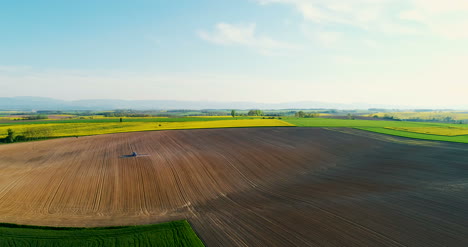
44, 103
385, 52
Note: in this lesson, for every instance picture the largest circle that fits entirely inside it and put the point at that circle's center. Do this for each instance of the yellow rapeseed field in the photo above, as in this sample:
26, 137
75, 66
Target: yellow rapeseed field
82, 129
443, 131
10, 118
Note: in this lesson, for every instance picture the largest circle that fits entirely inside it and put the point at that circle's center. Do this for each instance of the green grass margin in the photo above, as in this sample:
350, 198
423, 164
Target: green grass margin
175, 233
458, 139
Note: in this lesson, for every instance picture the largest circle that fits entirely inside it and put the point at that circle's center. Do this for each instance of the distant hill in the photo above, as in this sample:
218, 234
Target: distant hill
27, 103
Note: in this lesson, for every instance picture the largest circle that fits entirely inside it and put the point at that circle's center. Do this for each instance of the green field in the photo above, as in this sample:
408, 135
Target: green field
329, 122
461, 139
177, 233
381, 127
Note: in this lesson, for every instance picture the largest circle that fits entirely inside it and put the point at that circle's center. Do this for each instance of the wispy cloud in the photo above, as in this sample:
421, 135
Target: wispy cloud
353, 12
322, 36
448, 19
245, 35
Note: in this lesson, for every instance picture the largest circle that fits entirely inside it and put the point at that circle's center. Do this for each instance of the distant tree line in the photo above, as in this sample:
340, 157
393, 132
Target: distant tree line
446, 119
255, 113
121, 114
249, 113
36, 117
441, 120
125, 113
31, 117
180, 111
302, 114
211, 113
50, 112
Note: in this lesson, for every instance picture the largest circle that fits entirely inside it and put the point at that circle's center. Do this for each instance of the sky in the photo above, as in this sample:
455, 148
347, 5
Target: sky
394, 52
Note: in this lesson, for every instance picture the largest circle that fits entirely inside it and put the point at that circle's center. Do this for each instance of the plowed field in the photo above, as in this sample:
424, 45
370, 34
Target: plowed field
246, 187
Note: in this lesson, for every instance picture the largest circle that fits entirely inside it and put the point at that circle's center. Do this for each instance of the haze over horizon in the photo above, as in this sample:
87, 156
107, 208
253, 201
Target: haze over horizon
389, 52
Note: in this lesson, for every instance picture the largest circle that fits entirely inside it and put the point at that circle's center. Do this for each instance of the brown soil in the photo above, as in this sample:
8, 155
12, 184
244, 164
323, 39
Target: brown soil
246, 187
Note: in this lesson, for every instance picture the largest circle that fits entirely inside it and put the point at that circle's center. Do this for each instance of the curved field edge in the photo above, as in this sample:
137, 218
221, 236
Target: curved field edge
175, 233
382, 127
413, 135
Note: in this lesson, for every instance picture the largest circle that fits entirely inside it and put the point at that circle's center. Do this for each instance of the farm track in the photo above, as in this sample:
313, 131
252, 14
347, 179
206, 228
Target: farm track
247, 187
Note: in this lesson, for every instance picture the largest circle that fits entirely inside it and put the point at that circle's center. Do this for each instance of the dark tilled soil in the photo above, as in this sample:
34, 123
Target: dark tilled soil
247, 187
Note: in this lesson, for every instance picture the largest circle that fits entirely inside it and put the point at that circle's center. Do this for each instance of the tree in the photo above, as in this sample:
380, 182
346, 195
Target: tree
255, 113
10, 136
233, 113
300, 114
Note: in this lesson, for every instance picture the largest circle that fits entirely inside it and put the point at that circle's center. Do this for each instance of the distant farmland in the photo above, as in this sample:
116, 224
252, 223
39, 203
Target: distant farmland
65, 129
438, 115
246, 186
53, 128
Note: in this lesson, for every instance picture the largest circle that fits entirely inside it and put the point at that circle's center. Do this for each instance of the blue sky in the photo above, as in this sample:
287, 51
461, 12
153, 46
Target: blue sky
411, 52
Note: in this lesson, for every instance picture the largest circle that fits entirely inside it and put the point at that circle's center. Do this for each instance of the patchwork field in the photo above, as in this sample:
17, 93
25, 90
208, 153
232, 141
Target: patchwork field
54, 129
46, 129
246, 187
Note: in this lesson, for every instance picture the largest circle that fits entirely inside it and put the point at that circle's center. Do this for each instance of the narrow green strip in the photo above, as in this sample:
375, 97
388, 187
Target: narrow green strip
176, 233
